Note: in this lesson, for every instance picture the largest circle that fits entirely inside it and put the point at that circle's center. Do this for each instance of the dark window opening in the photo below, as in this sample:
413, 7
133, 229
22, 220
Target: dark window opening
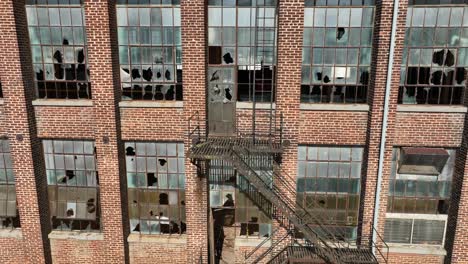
156, 183
73, 185
9, 215
150, 50
58, 46
336, 52
435, 59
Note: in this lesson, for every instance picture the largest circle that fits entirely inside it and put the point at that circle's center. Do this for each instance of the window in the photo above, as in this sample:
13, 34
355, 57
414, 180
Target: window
415, 230
1, 92
156, 187
336, 53
241, 50
9, 216
150, 50
435, 58
232, 206
328, 183
58, 45
73, 184
420, 193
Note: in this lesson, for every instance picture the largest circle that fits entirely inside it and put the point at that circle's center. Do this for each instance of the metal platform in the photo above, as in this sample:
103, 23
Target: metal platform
221, 147
304, 254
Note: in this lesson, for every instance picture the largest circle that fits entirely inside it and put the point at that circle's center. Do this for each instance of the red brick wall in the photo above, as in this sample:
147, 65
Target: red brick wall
332, 127
429, 129
12, 251
376, 98
18, 90
395, 258
149, 253
65, 122
78, 251
194, 41
103, 63
153, 124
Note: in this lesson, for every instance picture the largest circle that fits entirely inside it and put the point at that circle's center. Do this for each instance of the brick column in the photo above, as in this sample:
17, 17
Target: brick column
376, 97
194, 42
289, 66
101, 32
26, 150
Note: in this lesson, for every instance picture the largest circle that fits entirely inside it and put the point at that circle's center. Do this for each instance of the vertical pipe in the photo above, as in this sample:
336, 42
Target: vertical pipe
384, 124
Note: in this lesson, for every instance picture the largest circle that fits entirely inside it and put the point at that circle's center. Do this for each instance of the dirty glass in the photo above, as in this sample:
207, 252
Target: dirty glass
435, 61
156, 187
328, 182
73, 184
150, 50
420, 194
58, 45
9, 216
242, 38
337, 50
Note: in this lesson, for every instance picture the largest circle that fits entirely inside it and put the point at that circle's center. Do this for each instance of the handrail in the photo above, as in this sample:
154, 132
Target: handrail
328, 253
276, 243
248, 255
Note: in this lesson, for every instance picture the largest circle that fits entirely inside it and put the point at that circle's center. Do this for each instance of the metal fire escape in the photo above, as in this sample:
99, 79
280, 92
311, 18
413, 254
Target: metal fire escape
255, 152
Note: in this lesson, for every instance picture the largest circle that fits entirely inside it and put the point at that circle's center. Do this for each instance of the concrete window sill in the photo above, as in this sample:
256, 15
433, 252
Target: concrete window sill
159, 239
11, 233
1, 102
76, 235
250, 242
151, 104
335, 107
417, 249
249, 105
63, 102
432, 108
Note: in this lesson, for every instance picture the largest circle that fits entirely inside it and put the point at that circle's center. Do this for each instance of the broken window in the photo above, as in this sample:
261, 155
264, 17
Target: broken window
242, 39
156, 187
58, 46
412, 190
150, 50
336, 53
328, 183
435, 59
9, 216
73, 184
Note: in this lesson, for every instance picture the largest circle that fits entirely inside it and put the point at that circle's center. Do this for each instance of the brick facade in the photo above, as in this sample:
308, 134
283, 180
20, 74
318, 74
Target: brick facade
110, 125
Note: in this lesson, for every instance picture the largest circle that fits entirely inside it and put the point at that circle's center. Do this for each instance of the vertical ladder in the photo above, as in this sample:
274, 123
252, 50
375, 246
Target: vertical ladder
265, 54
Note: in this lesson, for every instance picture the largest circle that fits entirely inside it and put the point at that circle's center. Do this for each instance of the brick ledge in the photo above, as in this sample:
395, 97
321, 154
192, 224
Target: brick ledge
159, 239
335, 107
151, 104
416, 249
250, 242
11, 233
249, 105
432, 108
62, 102
76, 235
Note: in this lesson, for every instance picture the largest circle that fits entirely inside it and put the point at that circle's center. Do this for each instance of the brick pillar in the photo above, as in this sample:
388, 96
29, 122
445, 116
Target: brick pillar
194, 42
101, 32
376, 97
18, 89
457, 222
289, 66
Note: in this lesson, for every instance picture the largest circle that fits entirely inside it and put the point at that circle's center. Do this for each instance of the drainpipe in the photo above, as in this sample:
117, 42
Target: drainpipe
384, 123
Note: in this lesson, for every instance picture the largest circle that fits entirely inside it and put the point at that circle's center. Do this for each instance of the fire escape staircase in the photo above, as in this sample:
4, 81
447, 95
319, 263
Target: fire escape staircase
269, 189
